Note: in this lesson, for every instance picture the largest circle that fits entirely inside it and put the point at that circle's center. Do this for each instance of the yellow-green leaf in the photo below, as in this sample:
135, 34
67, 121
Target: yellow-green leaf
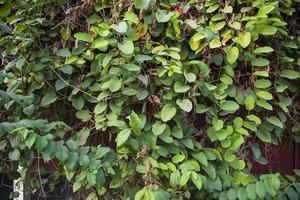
232, 54
244, 39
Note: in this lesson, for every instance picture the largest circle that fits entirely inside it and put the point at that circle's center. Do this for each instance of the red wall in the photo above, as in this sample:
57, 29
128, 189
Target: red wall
281, 158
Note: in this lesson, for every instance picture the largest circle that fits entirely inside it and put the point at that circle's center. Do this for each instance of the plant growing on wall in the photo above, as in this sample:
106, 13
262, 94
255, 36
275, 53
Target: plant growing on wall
149, 99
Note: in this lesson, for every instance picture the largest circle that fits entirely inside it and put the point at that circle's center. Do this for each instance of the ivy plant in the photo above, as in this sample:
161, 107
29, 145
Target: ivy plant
149, 99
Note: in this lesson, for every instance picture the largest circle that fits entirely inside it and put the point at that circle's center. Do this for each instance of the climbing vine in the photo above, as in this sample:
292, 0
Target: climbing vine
149, 99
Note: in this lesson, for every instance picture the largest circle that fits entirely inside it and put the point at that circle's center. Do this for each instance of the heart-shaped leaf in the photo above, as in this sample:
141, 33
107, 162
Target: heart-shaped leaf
232, 54
126, 47
168, 112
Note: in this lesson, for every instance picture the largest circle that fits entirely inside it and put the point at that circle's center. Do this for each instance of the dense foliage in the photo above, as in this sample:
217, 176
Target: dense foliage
149, 99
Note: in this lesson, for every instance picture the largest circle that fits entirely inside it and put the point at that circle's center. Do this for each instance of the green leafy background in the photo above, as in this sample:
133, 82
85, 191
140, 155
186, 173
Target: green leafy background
149, 99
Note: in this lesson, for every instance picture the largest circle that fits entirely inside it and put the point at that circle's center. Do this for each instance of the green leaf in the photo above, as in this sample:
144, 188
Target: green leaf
184, 178
168, 112
251, 191
235, 25
66, 33
231, 106
100, 108
180, 87
177, 132
15, 140
264, 104
161, 195
297, 172
141, 4
72, 144
3, 144
215, 44
62, 153
229, 156
254, 118
212, 8
132, 67
238, 164
84, 115
236, 142
264, 95
5, 9
201, 65
232, 54
122, 137
201, 157
261, 73
67, 69
264, 135
274, 184
200, 108
29, 110
218, 26
188, 143
190, 77
260, 189
275, 121
131, 17
297, 187
77, 101
178, 158
289, 74
264, 10
195, 40
140, 194
92, 196
136, 123
260, 62
162, 16
185, 104
4, 27
142, 94
256, 151
14, 155
63, 53
192, 23
238, 122
85, 37
268, 30
217, 124
30, 140
228, 9
60, 84
158, 128
99, 43
120, 27
242, 193
196, 178
76, 186
210, 170
250, 102
265, 49
292, 194
174, 177
244, 39
232, 194
262, 83
48, 99
126, 46
101, 152
82, 136
115, 84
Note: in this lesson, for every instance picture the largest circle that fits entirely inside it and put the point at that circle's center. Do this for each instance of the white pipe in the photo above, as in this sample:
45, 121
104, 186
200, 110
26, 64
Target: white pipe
19, 187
